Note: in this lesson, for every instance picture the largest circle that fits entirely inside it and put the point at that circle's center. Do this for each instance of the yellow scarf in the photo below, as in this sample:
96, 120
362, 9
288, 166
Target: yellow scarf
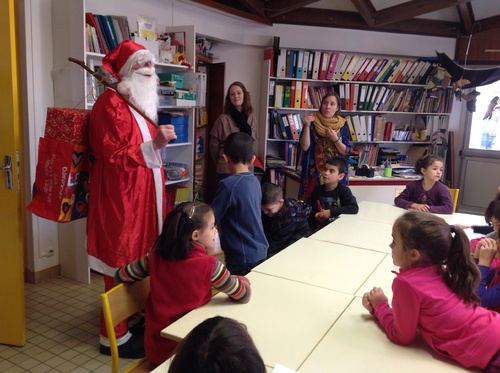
321, 123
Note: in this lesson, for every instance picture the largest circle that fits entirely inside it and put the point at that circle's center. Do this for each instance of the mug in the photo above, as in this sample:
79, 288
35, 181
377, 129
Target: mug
388, 172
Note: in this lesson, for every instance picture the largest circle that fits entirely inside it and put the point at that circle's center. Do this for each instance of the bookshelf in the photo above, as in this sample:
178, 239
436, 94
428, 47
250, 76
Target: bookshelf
400, 110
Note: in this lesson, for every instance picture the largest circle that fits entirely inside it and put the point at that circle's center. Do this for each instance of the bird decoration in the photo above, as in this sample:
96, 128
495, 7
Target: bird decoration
491, 106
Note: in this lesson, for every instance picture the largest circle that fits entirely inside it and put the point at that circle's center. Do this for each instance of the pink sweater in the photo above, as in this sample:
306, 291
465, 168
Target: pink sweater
421, 300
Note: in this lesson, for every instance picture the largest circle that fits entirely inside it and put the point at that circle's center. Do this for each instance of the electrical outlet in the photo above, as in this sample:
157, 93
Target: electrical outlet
47, 253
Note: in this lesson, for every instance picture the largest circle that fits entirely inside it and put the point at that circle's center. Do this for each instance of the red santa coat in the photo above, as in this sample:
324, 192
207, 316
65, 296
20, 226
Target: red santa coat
127, 193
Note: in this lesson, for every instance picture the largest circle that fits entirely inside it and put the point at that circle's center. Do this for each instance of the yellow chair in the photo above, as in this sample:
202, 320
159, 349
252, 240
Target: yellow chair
454, 197
119, 304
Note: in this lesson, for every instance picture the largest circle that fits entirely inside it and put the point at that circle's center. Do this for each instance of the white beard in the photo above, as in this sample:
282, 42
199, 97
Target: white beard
142, 89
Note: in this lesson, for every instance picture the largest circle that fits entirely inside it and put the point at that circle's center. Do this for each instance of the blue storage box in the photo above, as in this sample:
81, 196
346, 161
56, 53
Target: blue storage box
180, 123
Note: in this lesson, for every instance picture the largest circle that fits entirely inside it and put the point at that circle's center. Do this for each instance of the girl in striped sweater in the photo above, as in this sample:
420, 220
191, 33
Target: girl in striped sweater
182, 275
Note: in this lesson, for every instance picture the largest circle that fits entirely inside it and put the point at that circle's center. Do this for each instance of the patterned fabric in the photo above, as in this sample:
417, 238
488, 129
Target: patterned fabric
313, 159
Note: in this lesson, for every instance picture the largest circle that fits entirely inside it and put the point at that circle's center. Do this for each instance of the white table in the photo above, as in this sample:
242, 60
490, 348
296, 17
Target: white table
351, 231
286, 319
324, 264
381, 277
356, 344
379, 212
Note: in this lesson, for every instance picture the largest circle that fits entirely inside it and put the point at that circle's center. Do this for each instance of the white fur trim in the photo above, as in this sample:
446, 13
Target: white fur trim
119, 341
149, 154
99, 266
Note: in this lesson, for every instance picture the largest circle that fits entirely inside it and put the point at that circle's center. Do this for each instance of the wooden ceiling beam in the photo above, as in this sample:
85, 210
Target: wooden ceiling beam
230, 10
275, 8
256, 6
367, 11
411, 9
487, 24
466, 15
352, 20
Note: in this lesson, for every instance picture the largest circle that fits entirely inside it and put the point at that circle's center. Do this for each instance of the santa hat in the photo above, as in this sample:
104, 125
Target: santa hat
114, 60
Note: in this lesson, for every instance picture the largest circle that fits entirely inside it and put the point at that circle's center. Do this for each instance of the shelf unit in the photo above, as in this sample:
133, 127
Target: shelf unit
277, 147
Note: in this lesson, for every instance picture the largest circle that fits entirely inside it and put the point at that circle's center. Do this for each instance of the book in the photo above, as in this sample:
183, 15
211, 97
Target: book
352, 62
323, 70
269, 55
281, 63
91, 20
340, 61
368, 69
331, 66
297, 100
388, 131
279, 93
379, 127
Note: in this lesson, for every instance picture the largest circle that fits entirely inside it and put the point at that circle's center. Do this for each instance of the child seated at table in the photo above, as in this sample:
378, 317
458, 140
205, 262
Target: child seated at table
284, 219
217, 345
434, 292
489, 286
182, 274
237, 205
428, 194
333, 198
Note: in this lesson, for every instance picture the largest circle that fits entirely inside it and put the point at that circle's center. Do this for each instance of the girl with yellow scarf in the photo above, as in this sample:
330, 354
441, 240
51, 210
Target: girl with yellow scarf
323, 136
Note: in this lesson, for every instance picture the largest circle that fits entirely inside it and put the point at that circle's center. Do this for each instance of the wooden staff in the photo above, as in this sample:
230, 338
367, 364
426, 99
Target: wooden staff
102, 80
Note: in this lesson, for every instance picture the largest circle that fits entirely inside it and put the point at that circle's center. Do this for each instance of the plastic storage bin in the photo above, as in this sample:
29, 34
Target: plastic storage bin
180, 123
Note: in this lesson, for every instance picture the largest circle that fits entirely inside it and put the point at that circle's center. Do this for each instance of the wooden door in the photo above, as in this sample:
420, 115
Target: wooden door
12, 217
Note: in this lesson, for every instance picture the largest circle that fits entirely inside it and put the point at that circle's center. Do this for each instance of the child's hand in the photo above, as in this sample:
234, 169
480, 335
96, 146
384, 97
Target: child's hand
376, 296
323, 215
486, 250
366, 303
419, 207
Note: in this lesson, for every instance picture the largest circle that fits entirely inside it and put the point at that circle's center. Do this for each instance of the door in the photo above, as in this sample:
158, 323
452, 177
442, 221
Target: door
12, 316
480, 165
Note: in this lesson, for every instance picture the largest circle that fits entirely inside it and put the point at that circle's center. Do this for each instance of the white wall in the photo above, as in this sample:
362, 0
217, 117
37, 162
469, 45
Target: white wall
241, 48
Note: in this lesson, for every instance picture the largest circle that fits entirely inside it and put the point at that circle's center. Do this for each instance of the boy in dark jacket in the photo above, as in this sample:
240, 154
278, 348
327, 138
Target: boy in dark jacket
332, 198
284, 220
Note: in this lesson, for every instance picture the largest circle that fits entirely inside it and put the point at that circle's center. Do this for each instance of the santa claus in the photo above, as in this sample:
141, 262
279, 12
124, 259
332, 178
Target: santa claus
127, 193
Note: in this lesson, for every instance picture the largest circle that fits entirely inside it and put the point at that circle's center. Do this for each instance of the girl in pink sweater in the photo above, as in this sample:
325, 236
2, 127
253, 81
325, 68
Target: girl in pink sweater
433, 292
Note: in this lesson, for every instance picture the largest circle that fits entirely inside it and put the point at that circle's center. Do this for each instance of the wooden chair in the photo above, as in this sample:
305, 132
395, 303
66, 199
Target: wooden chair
454, 197
119, 304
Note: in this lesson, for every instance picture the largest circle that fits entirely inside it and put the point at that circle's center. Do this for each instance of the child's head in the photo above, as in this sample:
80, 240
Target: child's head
430, 167
188, 222
330, 105
272, 199
492, 213
238, 148
217, 345
334, 170
421, 239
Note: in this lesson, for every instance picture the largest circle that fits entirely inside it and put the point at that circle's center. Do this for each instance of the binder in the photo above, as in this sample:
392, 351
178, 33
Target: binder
279, 122
415, 72
310, 65
331, 66
381, 95
343, 68
381, 73
360, 131
288, 130
272, 84
368, 98
368, 121
298, 94
373, 97
316, 66
299, 64
342, 97
305, 64
410, 71
385, 74
395, 71
368, 69
362, 96
356, 68
361, 69
279, 95
378, 130
347, 91
269, 55
287, 95
347, 73
350, 127
374, 70
354, 96
293, 127
292, 94
290, 63
304, 95
404, 72
421, 73
323, 70
340, 61
281, 64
